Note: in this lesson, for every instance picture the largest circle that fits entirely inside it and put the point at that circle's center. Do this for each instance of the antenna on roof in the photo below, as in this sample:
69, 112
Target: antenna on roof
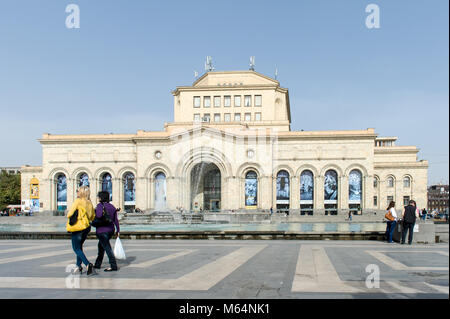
252, 63
276, 73
208, 64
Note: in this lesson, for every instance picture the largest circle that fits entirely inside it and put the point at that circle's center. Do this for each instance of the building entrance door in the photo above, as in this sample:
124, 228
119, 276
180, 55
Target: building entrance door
205, 187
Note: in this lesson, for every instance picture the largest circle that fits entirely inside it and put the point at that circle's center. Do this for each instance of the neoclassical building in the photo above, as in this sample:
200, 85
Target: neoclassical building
230, 147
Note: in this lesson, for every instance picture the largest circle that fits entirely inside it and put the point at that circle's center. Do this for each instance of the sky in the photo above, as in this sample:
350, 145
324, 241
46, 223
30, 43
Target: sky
116, 72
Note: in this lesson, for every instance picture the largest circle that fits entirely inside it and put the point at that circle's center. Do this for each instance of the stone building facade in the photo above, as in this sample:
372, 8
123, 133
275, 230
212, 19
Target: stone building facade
230, 147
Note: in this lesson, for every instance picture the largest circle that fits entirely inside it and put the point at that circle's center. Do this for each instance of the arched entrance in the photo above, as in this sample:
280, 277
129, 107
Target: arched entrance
205, 187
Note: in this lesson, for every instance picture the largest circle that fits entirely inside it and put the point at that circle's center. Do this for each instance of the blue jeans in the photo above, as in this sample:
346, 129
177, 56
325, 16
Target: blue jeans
78, 239
105, 246
390, 230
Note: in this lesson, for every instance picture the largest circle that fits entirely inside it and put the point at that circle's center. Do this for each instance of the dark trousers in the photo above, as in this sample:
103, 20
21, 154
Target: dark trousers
390, 227
407, 227
78, 239
104, 246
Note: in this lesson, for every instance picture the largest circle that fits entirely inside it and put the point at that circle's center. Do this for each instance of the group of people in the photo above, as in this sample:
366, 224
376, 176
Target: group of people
82, 227
407, 220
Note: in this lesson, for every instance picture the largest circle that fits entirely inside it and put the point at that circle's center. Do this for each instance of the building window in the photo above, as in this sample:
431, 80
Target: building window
206, 117
283, 191
106, 186
217, 101
196, 101
237, 117
197, 117
207, 101
390, 199
257, 116
375, 201
390, 182
248, 117
258, 100
248, 100
375, 182
331, 186
227, 101
251, 189
407, 182
406, 200
227, 117
83, 180
355, 187
216, 117
129, 191
237, 101
61, 192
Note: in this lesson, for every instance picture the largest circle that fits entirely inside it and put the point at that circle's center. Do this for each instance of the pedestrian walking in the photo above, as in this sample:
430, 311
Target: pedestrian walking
350, 215
424, 214
271, 211
392, 217
409, 216
106, 230
82, 206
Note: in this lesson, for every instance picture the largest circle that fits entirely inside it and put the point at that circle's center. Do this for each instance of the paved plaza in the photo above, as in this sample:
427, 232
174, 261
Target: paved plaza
208, 269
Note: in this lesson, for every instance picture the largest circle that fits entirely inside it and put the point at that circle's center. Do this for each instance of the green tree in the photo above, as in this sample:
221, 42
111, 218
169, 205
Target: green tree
9, 189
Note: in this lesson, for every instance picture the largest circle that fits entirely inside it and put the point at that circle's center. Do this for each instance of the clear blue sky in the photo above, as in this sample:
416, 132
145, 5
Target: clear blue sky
115, 73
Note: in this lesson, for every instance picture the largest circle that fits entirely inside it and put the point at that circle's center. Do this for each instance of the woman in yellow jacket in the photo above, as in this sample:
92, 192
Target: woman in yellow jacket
82, 227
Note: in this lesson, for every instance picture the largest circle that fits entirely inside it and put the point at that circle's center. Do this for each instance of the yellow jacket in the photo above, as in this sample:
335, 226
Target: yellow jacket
86, 215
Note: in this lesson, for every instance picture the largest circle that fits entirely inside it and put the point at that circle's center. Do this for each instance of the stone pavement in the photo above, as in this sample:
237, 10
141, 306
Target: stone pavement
208, 269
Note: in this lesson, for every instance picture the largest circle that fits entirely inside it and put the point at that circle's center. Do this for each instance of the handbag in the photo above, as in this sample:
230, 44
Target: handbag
73, 219
105, 220
389, 216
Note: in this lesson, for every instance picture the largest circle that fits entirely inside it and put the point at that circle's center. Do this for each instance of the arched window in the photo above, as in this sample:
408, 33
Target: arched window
83, 180
375, 182
331, 186
355, 187
406, 182
106, 181
307, 186
390, 181
129, 190
61, 192
251, 189
160, 191
283, 191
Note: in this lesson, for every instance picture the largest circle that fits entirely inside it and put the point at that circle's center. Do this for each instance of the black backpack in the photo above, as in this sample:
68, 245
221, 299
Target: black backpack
105, 220
410, 214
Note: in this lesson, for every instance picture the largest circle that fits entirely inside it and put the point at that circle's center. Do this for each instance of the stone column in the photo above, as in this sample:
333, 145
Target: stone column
343, 192
141, 194
319, 192
116, 198
295, 192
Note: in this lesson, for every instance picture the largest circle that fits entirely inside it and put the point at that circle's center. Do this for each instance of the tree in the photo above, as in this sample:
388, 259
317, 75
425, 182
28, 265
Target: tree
9, 189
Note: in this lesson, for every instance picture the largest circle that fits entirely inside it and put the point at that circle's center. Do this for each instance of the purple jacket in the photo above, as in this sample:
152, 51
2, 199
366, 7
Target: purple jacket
111, 210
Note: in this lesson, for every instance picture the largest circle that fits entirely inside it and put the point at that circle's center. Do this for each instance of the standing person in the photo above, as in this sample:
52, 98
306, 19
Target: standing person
104, 233
424, 214
271, 211
82, 227
350, 215
409, 219
391, 223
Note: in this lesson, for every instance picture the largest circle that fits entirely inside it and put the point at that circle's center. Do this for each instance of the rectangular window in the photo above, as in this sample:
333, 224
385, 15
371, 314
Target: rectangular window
258, 100
217, 101
407, 182
375, 182
206, 117
248, 117
216, 117
257, 116
237, 117
207, 101
390, 199
227, 117
375, 201
405, 200
227, 101
197, 117
237, 101
196, 101
248, 100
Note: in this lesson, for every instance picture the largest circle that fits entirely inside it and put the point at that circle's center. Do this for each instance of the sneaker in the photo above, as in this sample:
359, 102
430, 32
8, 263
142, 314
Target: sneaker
110, 269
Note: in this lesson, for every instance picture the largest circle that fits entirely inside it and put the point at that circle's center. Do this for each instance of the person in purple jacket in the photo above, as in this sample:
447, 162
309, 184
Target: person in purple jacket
104, 233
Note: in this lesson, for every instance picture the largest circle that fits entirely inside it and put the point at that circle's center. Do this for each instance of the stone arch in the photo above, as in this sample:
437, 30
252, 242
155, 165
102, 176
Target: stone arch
157, 167
76, 172
283, 167
331, 167
99, 172
356, 166
306, 167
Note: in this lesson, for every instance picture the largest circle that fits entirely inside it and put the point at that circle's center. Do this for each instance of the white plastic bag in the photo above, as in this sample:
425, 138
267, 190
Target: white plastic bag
119, 253
416, 228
